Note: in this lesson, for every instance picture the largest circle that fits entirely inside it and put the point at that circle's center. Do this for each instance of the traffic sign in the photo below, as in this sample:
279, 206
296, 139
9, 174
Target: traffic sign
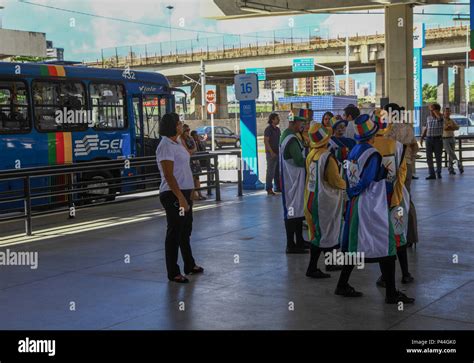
246, 86
303, 65
211, 108
211, 96
419, 36
260, 72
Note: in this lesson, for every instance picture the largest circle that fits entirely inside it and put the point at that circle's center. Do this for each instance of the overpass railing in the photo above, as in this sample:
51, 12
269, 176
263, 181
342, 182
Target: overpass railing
30, 192
282, 41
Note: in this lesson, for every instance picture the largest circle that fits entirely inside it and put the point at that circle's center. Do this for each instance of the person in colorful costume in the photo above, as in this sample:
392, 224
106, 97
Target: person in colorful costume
307, 116
398, 197
368, 229
324, 203
339, 145
292, 179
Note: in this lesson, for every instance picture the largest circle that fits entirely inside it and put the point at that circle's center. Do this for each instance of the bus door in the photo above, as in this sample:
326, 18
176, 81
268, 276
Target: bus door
148, 110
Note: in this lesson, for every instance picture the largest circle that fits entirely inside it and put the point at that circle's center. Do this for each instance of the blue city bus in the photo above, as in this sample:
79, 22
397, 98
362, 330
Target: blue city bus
53, 114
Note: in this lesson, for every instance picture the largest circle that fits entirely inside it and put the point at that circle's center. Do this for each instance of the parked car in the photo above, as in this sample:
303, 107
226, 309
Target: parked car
466, 125
222, 135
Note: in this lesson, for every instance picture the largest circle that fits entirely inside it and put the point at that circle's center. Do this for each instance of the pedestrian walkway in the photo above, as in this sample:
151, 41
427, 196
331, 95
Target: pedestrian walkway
106, 270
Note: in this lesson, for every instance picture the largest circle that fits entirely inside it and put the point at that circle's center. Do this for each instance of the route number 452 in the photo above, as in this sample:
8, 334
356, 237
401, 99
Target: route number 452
246, 87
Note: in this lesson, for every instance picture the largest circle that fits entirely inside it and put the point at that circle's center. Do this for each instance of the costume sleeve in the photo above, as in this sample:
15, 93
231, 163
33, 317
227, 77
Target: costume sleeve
295, 153
397, 195
332, 176
371, 173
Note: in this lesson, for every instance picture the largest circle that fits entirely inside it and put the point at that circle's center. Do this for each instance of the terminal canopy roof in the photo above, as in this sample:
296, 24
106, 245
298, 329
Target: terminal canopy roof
252, 8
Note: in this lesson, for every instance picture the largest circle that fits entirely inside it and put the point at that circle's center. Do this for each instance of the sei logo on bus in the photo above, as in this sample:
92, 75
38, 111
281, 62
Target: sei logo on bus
91, 143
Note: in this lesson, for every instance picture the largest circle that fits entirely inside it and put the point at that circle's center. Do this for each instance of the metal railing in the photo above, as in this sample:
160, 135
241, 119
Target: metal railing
463, 146
281, 41
68, 188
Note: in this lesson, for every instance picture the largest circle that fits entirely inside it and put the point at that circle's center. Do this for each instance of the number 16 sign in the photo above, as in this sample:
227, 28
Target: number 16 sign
246, 91
246, 86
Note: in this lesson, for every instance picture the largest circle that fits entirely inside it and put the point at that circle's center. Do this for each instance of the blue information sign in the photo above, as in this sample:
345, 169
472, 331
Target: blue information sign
260, 72
248, 138
303, 65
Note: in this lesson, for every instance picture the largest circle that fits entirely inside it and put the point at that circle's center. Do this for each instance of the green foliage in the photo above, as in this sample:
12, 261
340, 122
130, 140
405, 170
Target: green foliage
429, 93
26, 59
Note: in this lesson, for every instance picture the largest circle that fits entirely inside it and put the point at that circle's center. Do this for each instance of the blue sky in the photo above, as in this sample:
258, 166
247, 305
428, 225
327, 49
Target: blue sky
83, 37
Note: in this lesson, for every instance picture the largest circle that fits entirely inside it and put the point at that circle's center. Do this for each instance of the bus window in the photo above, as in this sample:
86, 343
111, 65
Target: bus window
108, 106
59, 106
13, 107
154, 108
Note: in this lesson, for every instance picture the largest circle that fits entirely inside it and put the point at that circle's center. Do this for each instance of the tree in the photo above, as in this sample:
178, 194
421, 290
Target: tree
26, 59
429, 93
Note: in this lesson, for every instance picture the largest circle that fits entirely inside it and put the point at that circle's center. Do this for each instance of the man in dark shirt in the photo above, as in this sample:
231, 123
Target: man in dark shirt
272, 148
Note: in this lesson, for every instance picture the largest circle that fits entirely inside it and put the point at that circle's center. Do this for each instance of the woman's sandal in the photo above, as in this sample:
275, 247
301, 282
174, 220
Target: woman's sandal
180, 279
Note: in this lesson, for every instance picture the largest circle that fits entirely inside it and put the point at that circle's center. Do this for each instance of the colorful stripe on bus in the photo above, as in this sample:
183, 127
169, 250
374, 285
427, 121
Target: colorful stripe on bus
54, 71
59, 148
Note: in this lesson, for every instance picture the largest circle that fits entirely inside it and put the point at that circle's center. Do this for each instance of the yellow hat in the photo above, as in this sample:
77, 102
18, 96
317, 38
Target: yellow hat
319, 135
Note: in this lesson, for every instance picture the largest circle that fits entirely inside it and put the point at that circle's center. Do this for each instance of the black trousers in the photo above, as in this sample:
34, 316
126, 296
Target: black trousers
387, 266
178, 233
294, 228
434, 145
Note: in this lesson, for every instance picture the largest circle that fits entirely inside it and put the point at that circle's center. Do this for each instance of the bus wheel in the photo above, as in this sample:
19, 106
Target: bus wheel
102, 191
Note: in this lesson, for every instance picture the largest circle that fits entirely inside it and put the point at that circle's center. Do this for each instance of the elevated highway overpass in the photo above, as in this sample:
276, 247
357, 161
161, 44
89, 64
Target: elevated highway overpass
445, 47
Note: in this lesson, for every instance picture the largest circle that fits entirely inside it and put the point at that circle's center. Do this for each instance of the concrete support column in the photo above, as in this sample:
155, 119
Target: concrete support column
379, 80
399, 55
221, 102
196, 101
443, 86
460, 89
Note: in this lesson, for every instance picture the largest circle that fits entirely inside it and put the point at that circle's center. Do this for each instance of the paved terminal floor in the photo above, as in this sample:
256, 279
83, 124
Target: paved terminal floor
105, 270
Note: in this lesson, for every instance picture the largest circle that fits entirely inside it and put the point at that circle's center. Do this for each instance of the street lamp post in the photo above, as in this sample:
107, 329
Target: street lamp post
170, 9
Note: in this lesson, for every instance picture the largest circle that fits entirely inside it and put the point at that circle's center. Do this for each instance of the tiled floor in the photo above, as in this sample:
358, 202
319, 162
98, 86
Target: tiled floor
249, 282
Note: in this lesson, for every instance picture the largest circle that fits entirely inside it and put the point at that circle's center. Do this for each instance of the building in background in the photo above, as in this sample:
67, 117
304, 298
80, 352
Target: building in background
14, 43
287, 85
363, 91
352, 86
324, 85
54, 54
305, 86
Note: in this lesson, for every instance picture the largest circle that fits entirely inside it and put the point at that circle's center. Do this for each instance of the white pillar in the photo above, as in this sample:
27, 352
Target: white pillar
399, 55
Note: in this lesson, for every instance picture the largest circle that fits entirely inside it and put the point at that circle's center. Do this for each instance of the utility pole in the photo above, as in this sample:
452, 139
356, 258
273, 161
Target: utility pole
203, 91
170, 8
347, 65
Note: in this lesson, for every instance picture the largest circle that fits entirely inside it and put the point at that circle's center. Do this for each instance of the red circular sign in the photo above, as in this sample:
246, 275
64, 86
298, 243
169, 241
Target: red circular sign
210, 96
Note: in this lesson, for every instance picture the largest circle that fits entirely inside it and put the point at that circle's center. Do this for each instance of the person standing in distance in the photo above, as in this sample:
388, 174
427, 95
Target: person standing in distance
449, 141
271, 139
176, 189
433, 132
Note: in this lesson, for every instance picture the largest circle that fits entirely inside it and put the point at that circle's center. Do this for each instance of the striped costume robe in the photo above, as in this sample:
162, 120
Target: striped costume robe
398, 198
367, 228
323, 202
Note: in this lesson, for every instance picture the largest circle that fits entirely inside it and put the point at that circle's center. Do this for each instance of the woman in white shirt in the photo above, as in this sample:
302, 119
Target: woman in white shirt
176, 189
